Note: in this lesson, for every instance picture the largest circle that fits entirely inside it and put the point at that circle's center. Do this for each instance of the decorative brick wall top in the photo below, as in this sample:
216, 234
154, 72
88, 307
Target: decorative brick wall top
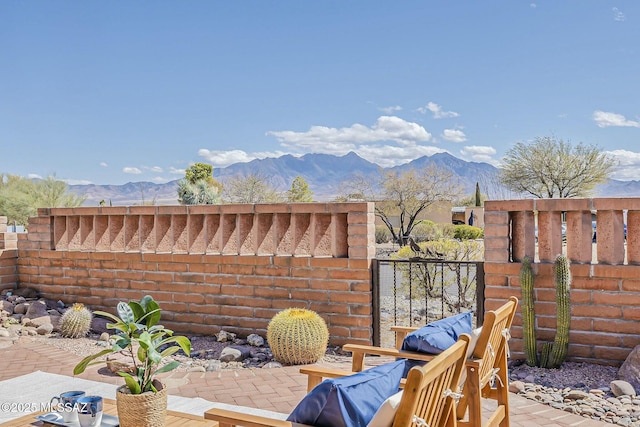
301, 229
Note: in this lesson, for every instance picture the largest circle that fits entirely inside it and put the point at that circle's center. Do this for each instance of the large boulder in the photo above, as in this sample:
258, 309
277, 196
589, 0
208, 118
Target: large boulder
630, 369
36, 309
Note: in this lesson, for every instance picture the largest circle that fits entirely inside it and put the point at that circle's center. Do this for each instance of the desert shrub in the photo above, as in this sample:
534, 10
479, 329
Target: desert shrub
428, 230
383, 235
467, 232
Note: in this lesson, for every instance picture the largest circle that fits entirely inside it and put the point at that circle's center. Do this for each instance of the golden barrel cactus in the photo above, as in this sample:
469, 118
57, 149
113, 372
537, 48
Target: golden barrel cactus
297, 336
75, 322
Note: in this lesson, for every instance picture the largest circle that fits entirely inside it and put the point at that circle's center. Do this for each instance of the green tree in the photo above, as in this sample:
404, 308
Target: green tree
550, 168
198, 187
250, 189
198, 171
299, 191
401, 196
21, 197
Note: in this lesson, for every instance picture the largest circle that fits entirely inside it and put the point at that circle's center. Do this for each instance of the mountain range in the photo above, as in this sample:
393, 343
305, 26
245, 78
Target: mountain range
325, 174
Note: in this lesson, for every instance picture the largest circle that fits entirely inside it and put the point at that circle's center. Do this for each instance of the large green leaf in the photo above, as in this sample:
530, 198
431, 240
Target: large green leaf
153, 309
119, 326
132, 383
137, 309
80, 367
168, 367
183, 342
126, 313
105, 314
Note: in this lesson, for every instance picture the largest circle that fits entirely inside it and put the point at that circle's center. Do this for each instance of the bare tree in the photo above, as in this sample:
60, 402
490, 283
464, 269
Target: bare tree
550, 168
253, 188
401, 196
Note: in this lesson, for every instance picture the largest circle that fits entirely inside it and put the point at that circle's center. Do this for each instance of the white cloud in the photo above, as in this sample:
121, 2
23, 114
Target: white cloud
132, 170
628, 167
156, 169
220, 158
386, 128
480, 153
34, 176
605, 119
176, 171
533, 5
104, 164
454, 135
437, 111
77, 181
159, 180
618, 15
390, 110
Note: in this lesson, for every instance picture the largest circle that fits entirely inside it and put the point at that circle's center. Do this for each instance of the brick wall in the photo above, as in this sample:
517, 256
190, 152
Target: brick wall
226, 267
605, 292
8, 257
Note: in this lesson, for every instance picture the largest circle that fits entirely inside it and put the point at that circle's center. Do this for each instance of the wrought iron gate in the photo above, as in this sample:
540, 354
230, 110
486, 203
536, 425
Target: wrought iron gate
417, 291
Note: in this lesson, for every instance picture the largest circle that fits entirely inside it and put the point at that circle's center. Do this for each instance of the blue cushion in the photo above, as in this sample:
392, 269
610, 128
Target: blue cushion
349, 401
438, 336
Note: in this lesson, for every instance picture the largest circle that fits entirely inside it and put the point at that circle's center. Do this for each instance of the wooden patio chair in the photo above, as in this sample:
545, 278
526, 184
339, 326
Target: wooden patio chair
486, 369
428, 398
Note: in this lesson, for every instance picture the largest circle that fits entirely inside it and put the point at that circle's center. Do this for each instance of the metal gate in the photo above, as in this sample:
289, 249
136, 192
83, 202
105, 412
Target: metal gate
417, 291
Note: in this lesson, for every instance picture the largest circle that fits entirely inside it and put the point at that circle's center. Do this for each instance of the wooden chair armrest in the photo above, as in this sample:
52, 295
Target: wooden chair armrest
316, 374
228, 418
359, 351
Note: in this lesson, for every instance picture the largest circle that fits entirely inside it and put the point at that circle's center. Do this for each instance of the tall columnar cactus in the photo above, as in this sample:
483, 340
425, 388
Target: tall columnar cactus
528, 313
75, 322
563, 312
297, 336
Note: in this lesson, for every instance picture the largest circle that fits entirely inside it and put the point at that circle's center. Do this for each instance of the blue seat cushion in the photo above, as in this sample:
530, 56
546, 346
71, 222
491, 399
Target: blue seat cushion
349, 401
438, 336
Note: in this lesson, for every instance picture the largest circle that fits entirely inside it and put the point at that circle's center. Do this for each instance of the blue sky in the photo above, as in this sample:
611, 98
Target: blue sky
109, 92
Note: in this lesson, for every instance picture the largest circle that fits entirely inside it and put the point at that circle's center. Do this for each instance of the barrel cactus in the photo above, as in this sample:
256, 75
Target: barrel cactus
563, 312
297, 336
75, 322
528, 313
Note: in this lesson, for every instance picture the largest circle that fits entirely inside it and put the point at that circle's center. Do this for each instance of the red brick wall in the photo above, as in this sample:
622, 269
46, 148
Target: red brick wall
202, 292
8, 257
605, 292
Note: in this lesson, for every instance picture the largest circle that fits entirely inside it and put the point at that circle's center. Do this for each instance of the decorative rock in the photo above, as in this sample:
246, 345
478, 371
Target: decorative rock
630, 369
224, 336
6, 306
255, 340
29, 330
36, 309
20, 308
197, 369
99, 325
622, 388
577, 395
233, 354
44, 329
4, 332
272, 365
38, 321
516, 387
117, 362
104, 336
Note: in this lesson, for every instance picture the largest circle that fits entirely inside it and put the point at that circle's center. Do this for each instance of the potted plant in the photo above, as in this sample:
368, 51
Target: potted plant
139, 334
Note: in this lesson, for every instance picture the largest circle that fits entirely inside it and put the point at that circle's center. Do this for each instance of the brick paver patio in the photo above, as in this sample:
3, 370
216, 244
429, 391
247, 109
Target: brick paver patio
272, 389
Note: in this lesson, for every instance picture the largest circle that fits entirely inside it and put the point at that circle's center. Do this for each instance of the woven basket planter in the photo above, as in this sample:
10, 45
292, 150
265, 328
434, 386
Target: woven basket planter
146, 409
